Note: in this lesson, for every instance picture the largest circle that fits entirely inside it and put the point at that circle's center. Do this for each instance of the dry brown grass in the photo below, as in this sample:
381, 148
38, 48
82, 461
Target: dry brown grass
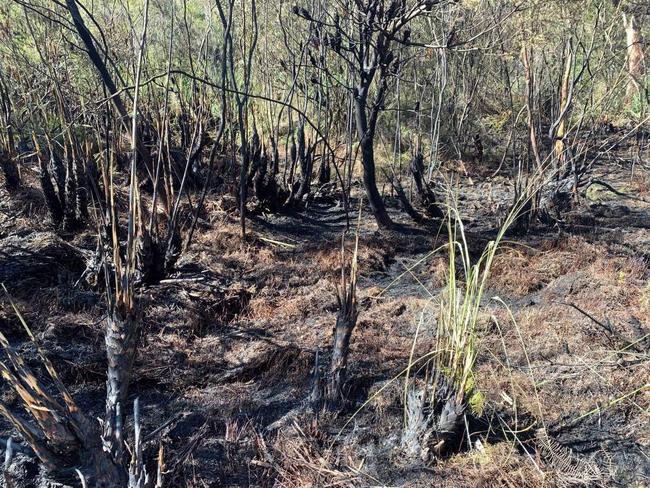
300, 458
615, 286
232, 371
574, 361
373, 255
520, 271
438, 270
491, 466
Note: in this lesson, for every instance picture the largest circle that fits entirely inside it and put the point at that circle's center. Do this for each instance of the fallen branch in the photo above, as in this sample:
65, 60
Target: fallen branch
614, 190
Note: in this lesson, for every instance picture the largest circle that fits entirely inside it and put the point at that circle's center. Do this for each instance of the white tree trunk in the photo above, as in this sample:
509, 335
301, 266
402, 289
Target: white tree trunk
635, 65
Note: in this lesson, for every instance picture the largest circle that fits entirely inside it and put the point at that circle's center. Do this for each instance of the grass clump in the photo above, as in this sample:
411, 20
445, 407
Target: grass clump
440, 392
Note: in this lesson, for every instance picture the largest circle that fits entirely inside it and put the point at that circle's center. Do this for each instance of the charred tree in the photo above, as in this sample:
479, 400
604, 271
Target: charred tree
60, 434
306, 158
241, 95
366, 128
69, 196
425, 192
346, 321
527, 54
107, 79
405, 202
123, 324
51, 198
263, 181
367, 42
122, 333
528, 212
7, 146
324, 170
303, 154
62, 198
10, 170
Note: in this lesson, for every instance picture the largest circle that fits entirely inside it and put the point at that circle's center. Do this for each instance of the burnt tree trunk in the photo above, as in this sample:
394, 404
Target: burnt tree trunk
306, 158
275, 166
82, 189
7, 157
405, 203
426, 194
366, 133
121, 340
264, 183
10, 170
95, 57
60, 435
54, 204
70, 199
346, 320
373, 30
58, 172
243, 188
527, 54
324, 170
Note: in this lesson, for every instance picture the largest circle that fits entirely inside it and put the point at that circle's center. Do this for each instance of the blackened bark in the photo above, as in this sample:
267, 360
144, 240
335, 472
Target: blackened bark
70, 206
172, 250
366, 136
275, 167
243, 188
370, 184
58, 170
405, 203
82, 189
425, 192
7, 161
10, 170
264, 184
448, 413
59, 433
96, 59
51, 199
306, 159
346, 320
99, 64
325, 170
523, 219
121, 339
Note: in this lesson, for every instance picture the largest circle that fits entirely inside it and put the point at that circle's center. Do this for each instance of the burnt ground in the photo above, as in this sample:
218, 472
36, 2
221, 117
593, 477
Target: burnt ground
231, 338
